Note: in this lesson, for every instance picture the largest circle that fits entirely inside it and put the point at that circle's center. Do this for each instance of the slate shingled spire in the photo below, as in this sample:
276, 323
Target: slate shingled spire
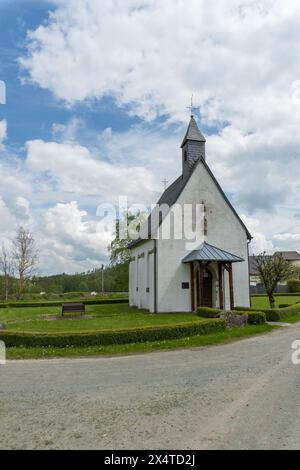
193, 147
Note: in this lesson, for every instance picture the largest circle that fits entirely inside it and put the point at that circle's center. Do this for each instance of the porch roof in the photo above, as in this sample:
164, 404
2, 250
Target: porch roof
208, 252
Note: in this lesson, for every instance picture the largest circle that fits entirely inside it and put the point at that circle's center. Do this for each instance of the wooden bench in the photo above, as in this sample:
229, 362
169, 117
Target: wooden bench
73, 308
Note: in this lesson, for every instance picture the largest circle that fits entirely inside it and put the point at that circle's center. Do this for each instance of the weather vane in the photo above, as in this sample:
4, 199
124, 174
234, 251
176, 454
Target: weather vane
191, 108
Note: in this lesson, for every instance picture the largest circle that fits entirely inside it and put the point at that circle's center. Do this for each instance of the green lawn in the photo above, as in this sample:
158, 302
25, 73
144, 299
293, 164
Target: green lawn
38, 319
263, 301
109, 316
190, 342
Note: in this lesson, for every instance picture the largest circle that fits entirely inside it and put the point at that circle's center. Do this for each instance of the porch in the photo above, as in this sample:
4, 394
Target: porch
210, 267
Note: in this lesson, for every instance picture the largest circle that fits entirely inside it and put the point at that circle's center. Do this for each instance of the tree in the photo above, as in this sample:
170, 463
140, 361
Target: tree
296, 272
25, 257
118, 249
6, 267
272, 270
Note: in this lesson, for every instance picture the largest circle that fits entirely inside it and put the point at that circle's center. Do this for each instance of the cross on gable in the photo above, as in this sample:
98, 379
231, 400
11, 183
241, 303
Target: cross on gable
165, 183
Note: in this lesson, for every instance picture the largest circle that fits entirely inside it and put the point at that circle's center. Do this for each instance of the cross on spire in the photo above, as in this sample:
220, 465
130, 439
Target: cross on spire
191, 108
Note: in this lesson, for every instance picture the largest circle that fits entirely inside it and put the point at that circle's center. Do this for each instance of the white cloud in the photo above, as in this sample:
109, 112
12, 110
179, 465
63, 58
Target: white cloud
73, 168
71, 240
259, 243
240, 59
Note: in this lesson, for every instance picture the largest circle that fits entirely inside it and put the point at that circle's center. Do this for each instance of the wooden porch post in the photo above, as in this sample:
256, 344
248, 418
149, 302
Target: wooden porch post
192, 287
221, 292
201, 283
231, 286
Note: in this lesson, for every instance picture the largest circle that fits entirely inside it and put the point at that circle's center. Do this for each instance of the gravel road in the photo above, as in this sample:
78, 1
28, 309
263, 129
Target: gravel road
244, 395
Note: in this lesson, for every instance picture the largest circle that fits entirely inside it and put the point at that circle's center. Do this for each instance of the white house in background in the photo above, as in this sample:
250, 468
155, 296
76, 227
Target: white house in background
293, 257
165, 275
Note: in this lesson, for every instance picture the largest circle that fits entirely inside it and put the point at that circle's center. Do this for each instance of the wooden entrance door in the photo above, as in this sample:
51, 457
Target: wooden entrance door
204, 291
207, 289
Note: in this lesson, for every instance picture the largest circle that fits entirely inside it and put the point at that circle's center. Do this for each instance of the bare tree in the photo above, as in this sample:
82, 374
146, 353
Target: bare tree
272, 270
6, 267
25, 257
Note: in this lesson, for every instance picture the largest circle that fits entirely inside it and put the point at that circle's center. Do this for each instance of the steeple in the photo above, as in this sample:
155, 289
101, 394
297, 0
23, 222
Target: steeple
193, 147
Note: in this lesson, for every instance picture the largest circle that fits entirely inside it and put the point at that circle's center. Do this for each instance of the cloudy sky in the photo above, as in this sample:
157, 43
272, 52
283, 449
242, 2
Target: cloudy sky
97, 92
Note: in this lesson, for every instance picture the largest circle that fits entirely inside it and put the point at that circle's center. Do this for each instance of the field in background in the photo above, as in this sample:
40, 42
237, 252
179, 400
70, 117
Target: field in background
263, 301
73, 296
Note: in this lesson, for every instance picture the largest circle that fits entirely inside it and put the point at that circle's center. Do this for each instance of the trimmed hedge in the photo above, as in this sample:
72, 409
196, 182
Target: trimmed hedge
255, 317
275, 314
208, 312
108, 337
271, 314
58, 303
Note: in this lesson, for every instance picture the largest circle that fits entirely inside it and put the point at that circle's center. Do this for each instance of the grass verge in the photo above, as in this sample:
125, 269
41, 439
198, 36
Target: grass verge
189, 342
292, 319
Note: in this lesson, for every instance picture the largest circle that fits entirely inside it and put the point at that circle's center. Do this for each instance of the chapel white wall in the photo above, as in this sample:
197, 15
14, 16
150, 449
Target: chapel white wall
224, 231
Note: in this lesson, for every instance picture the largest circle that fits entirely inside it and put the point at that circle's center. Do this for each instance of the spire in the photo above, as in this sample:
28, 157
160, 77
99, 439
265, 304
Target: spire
193, 133
193, 147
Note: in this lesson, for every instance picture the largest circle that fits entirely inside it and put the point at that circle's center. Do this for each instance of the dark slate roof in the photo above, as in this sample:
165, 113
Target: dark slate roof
172, 193
288, 255
208, 252
193, 133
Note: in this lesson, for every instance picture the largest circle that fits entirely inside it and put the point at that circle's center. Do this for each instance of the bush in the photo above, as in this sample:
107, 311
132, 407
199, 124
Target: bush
207, 312
284, 305
108, 337
275, 314
294, 285
256, 318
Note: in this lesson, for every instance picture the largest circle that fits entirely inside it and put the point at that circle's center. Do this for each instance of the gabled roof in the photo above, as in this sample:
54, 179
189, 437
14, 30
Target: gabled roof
288, 255
193, 133
208, 252
172, 193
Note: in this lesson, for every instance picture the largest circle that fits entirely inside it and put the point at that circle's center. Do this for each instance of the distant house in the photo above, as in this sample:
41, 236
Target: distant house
292, 256
254, 274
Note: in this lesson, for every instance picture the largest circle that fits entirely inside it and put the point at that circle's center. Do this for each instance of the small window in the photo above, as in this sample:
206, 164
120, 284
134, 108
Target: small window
185, 285
185, 156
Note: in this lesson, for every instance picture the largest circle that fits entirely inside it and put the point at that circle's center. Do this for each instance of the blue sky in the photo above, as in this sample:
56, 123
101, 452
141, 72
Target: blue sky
96, 107
31, 110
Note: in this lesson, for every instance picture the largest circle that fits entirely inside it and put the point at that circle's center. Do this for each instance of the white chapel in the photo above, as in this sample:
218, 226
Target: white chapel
168, 273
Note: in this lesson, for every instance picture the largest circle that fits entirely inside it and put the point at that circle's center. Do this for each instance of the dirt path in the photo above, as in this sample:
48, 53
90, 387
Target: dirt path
241, 395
